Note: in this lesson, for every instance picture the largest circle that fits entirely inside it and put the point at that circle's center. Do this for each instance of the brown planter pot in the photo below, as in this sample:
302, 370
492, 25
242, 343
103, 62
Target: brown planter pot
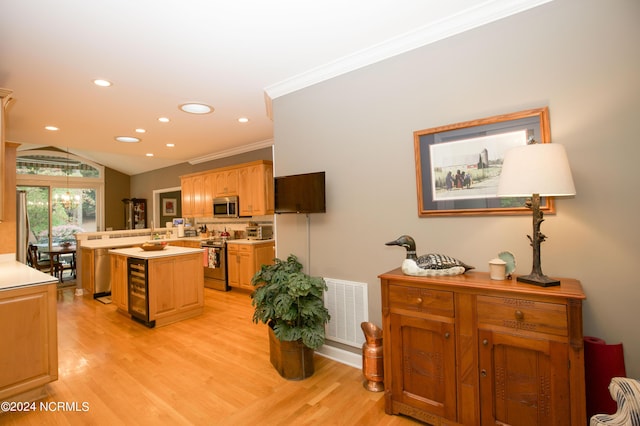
293, 360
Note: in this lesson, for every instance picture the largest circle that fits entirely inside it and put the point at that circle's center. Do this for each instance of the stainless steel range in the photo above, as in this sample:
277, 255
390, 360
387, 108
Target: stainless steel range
215, 264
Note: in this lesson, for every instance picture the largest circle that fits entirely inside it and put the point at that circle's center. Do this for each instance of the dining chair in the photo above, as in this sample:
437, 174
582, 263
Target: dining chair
50, 266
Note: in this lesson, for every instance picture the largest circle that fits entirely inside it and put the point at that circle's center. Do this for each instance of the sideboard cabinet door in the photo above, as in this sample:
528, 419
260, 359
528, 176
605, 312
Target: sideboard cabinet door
523, 380
424, 365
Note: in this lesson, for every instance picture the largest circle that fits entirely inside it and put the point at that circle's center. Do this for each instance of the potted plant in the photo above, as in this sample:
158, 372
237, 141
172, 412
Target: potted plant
291, 303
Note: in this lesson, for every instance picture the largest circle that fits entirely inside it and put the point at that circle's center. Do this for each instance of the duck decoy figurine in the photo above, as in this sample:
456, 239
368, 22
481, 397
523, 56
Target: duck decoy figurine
429, 264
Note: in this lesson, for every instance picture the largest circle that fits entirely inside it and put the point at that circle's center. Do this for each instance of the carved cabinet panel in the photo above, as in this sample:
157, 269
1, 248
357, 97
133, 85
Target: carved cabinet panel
467, 350
424, 365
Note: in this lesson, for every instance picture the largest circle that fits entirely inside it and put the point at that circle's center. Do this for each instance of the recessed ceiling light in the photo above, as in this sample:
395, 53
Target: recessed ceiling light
196, 108
102, 83
163, 119
140, 130
149, 154
171, 145
127, 139
52, 128
243, 120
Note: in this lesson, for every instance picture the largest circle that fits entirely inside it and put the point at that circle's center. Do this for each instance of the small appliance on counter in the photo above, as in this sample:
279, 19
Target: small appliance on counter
190, 232
260, 232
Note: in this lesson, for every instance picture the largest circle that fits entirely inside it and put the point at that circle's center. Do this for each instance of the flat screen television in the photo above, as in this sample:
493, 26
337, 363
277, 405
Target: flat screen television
300, 193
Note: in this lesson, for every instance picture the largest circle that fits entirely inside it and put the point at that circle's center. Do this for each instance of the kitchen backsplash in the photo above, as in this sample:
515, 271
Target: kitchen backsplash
232, 226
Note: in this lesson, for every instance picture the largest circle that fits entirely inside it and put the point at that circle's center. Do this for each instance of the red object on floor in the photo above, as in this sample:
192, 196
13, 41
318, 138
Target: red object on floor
602, 362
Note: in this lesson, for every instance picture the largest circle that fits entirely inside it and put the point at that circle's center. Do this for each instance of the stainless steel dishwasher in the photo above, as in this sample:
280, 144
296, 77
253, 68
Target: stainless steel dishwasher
102, 273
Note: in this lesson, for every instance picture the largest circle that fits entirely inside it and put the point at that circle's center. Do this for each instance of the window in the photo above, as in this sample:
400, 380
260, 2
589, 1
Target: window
64, 195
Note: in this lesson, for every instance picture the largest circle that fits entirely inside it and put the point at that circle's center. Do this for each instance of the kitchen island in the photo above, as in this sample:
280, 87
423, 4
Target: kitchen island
29, 330
174, 280
94, 277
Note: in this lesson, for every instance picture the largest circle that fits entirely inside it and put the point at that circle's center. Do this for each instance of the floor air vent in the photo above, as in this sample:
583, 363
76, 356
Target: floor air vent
348, 305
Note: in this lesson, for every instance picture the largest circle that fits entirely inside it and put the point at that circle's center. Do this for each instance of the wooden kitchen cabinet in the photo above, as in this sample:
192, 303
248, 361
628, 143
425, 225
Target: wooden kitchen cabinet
244, 260
176, 284
255, 189
176, 288
468, 350
87, 268
226, 182
119, 290
187, 195
251, 182
29, 355
186, 243
197, 194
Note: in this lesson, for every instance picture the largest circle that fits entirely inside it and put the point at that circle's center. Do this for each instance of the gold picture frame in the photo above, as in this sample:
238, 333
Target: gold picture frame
458, 165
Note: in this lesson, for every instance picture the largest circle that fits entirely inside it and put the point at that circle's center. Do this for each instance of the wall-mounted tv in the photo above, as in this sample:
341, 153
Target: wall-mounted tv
300, 193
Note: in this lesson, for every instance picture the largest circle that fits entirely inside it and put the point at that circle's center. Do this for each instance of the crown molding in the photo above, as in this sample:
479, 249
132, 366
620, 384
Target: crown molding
231, 152
468, 19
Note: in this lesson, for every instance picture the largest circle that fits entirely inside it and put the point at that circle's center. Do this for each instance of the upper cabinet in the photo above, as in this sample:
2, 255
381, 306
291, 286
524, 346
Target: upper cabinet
251, 182
5, 95
255, 189
226, 183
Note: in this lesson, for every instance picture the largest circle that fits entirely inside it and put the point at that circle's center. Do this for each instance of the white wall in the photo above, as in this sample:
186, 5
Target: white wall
580, 58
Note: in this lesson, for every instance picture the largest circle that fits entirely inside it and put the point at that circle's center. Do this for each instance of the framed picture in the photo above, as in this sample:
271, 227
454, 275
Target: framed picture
168, 207
458, 166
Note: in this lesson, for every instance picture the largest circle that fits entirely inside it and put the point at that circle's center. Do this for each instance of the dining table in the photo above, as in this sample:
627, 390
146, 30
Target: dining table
55, 253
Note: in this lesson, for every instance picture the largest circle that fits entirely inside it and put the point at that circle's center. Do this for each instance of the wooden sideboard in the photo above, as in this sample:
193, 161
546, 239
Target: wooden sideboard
468, 350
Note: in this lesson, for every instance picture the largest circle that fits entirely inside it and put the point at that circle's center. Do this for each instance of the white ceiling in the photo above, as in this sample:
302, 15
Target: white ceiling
234, 55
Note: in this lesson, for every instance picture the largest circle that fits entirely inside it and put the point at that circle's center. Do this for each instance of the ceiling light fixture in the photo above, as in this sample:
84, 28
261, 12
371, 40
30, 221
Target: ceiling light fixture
243, 120
171, 145
127, 139
196, 108
149, 154
140, 130
51, 128
163, 120
102, 83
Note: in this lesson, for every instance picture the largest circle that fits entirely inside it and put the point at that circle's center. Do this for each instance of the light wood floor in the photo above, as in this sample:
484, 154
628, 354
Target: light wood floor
210, 370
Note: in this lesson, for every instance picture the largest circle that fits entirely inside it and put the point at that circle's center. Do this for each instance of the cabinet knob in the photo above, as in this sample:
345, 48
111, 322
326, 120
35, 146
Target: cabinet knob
519, 315
485, 342
483, 372
419, 300
447, 335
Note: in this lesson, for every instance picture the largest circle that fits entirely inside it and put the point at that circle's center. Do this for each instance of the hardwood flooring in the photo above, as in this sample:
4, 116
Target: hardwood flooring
209, 370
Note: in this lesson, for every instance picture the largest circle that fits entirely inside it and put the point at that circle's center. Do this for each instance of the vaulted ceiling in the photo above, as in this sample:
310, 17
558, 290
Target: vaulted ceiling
235, 56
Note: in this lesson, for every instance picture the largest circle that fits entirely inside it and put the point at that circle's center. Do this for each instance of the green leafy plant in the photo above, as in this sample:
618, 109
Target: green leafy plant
290, 302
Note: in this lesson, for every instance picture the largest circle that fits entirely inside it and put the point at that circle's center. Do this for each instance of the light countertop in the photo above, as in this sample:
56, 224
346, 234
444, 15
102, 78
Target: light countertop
137, 252
248, 241
14, 274
128, 241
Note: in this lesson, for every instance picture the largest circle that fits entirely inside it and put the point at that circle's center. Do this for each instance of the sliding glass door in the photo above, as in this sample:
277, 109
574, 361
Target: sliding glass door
57, 214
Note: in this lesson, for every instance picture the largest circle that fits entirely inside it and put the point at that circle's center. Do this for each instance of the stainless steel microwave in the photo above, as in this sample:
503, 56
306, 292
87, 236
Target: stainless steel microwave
226, 207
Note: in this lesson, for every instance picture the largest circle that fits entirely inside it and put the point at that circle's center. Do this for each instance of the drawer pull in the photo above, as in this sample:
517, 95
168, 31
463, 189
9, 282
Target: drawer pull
483, 372
419, 300
519, 315
485, 342
447, 335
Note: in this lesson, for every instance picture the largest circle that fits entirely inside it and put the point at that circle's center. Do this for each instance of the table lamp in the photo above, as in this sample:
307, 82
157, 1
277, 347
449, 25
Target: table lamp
535, 170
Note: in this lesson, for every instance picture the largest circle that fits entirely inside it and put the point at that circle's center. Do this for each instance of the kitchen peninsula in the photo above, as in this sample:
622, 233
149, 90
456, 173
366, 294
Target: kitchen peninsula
169, 283
29, 329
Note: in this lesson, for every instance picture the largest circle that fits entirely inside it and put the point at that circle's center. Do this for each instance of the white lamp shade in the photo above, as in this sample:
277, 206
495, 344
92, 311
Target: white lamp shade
536, 169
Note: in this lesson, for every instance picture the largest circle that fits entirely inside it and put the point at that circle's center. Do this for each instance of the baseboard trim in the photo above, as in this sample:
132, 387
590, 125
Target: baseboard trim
340, 355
